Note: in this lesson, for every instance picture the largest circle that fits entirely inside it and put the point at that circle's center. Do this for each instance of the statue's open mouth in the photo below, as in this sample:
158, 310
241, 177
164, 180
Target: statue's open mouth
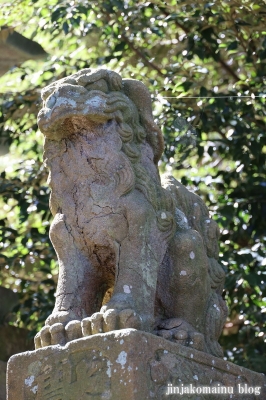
64, 107
60, 110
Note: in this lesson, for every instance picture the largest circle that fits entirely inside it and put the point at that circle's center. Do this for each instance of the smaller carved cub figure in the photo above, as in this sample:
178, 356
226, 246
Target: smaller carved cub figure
133, 252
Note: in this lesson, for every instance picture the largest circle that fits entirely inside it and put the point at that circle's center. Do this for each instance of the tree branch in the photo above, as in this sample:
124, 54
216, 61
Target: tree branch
136, 50
140, 54
223, 64
227, 68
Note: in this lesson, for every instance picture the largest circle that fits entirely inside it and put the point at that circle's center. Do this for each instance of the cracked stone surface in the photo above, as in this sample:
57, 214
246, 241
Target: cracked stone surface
135, 250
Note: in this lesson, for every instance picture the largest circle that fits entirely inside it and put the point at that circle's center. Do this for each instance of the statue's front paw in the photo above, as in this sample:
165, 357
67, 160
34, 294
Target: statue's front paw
58, 333
110, 320
178, 330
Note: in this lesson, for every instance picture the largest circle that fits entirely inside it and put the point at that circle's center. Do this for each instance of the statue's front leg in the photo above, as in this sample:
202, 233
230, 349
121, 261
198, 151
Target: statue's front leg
132, 302
76, 293
135, 287
137, 261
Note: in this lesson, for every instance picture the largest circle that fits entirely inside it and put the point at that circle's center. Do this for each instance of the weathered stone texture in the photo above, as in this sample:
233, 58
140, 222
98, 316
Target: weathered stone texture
134, 251
126, 364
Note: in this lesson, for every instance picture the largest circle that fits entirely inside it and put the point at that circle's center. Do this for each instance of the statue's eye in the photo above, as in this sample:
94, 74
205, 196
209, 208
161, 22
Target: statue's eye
51, 101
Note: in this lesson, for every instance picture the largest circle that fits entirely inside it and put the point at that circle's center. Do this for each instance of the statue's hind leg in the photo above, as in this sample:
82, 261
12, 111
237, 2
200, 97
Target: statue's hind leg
183, 290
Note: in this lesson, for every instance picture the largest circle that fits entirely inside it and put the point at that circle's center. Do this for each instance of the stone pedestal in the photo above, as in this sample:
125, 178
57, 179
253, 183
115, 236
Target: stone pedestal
127, 364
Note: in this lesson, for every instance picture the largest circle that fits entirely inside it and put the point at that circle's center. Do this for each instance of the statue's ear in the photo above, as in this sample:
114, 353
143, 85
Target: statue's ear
139, 94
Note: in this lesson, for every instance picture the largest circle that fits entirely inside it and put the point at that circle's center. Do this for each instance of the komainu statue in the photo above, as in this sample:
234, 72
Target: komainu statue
133, 252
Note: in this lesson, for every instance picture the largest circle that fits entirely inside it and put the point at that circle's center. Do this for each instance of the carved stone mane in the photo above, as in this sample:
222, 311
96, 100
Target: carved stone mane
132, 251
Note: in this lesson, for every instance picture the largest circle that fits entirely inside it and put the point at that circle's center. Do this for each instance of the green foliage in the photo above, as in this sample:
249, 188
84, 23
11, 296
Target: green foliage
205, 67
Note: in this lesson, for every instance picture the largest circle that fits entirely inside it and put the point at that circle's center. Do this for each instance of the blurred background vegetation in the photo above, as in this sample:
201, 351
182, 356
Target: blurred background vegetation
204, 63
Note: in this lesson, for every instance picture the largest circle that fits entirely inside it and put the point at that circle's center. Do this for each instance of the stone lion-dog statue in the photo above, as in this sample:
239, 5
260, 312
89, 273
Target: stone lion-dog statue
133, 252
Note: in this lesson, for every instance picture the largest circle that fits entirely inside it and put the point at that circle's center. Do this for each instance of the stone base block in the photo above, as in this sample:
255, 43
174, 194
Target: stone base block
131, 365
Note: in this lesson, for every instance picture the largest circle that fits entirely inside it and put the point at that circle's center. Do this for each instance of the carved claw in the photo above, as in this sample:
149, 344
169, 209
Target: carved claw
73, 330
37, 341
45, 336
129, 319
171, 323
110, 320
196, 341
57, 334
178, 330
180, 334
165, 334
86, 326
96, 323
